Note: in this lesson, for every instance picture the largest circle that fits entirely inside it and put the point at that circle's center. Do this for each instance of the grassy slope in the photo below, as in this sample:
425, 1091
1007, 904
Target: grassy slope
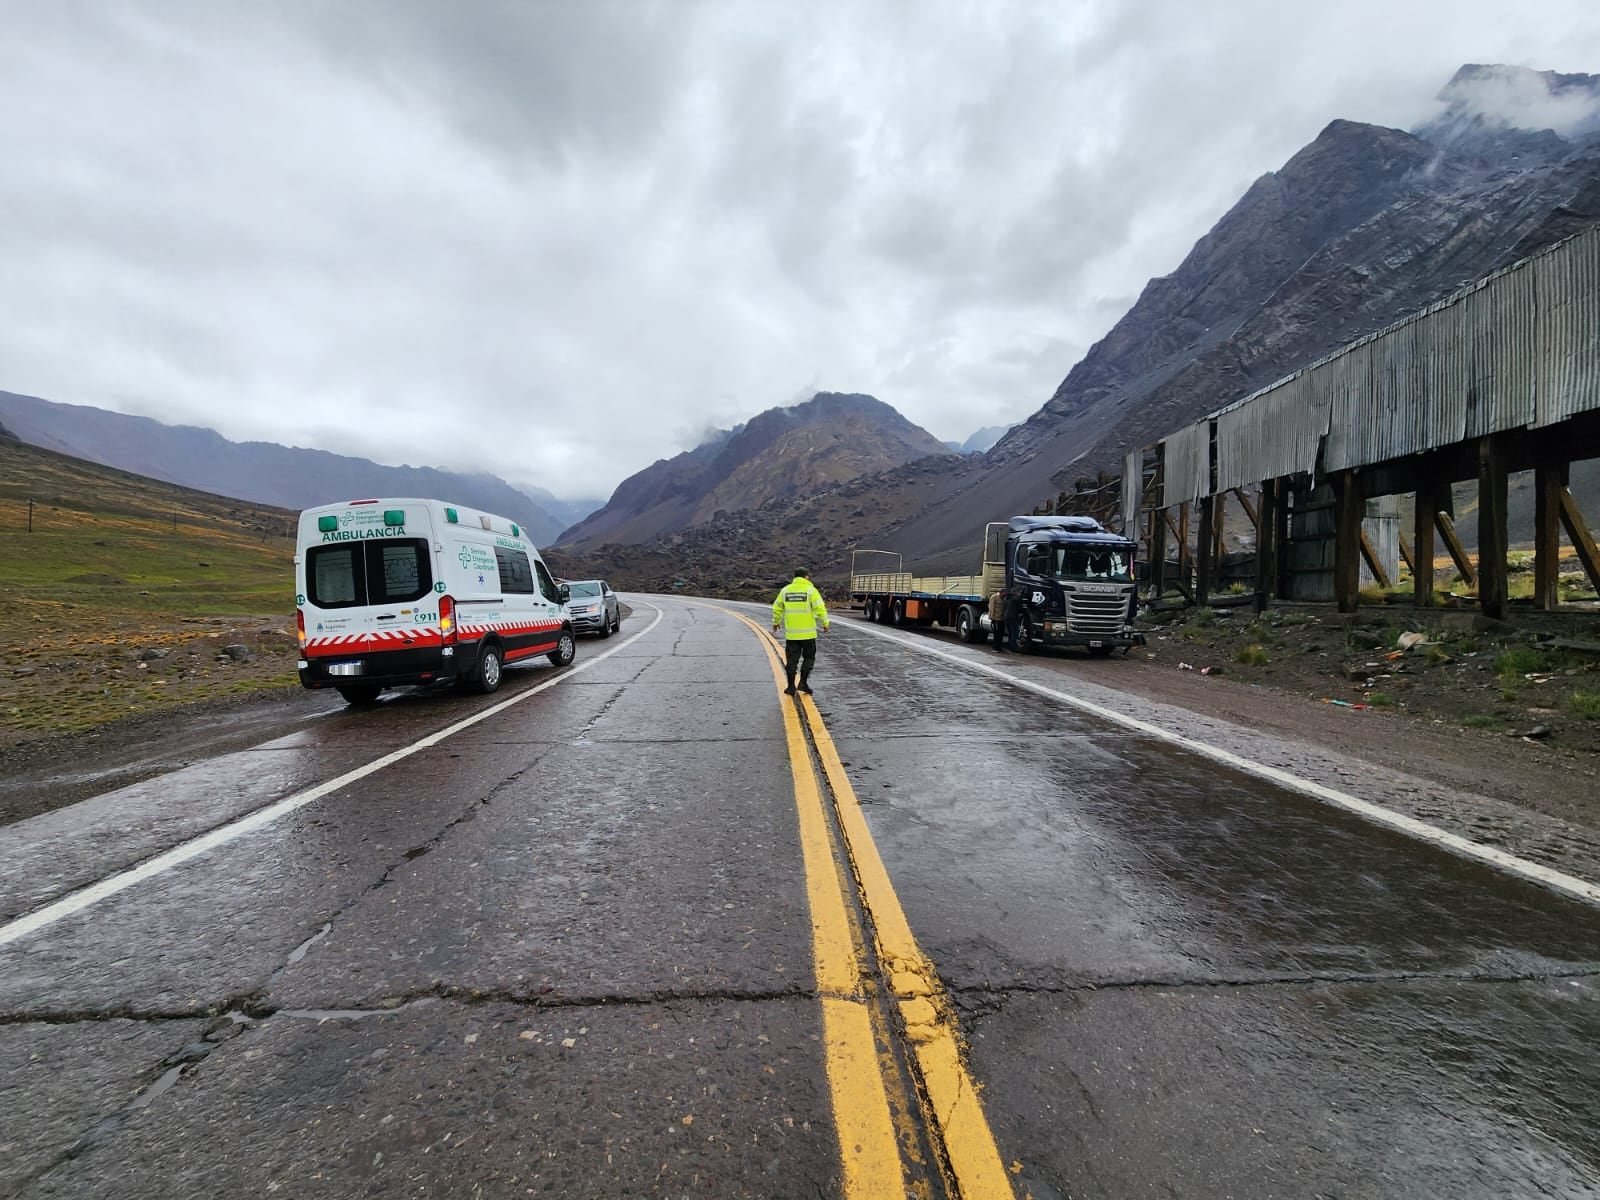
117, 563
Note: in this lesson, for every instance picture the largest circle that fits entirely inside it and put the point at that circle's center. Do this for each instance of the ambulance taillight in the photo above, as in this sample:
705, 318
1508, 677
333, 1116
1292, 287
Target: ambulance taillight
447, 619
300, 626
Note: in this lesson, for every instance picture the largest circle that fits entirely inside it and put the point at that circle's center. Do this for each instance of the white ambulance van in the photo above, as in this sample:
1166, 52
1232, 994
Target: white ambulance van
394, 592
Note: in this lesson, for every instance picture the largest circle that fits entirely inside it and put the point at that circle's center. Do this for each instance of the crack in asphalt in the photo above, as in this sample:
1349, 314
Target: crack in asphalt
982, 1000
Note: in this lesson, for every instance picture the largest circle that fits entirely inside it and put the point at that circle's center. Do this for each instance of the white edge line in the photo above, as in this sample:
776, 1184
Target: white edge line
77, 901
1571, 885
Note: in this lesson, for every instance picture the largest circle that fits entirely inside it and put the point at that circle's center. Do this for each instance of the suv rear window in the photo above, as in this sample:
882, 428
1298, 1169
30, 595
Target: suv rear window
390, 571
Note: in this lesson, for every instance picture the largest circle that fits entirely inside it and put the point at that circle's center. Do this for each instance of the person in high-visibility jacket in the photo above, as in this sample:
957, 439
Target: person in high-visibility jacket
800, 613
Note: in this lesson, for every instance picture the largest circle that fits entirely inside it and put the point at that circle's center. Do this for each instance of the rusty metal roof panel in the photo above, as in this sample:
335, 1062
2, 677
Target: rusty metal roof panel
1567, 351
1275, 432
1132, 491
1186, 465
1496, 327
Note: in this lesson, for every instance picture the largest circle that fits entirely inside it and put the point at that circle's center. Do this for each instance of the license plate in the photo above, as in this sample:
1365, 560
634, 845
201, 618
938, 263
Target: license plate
345, 669
1095, 645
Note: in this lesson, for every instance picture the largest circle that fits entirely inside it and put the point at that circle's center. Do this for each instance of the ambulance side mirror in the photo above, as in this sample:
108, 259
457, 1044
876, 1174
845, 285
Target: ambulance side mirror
564, 592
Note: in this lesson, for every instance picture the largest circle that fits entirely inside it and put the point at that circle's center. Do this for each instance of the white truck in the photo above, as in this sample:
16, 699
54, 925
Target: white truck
391, 592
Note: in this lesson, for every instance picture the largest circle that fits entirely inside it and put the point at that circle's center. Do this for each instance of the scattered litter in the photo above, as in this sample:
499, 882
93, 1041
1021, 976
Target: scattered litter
1185, 666
1213, 670
1538, 731
1345, 703
569, 1043
1407, 640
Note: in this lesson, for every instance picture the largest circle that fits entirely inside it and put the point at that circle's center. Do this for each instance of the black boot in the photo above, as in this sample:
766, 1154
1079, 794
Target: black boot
789, 691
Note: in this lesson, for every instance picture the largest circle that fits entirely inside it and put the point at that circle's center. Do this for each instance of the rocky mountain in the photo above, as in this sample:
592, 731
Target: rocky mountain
263, 472
784, 452
1358, 229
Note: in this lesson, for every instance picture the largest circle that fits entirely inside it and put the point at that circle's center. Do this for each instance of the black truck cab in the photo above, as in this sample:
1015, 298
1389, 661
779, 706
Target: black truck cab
1076, 582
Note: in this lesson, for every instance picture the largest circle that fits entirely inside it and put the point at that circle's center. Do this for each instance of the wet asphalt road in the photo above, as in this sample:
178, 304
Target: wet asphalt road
567, 951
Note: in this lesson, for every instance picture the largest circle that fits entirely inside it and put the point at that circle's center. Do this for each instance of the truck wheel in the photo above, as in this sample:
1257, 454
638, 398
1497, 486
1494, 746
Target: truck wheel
1024, 635
874, 611
897, 613
359, 695
966, 625
566, 649
486, 675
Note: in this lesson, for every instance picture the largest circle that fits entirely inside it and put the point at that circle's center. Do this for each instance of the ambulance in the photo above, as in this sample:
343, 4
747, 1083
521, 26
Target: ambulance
407, 591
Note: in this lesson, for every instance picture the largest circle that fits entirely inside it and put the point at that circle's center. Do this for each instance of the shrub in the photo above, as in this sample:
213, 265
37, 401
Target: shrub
1380, 700
1585, 705
1254, 655
1519, 661
1479, 721
1205, 616
1434, 656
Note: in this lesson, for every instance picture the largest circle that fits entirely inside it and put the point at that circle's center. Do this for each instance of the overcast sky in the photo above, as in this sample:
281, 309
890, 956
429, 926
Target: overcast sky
558, 241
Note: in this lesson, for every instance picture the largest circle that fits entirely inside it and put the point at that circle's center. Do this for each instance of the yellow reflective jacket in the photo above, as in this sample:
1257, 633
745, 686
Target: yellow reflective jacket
799, 610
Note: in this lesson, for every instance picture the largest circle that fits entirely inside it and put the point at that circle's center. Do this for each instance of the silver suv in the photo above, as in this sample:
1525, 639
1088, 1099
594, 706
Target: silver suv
594, 607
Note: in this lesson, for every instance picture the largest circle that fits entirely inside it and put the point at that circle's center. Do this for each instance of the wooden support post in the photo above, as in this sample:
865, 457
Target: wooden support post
1548, 484
1458, 552
1158, 553
1282, 546
1373, 565
1206, 552
1185, 558
1582, 540
1266, 520
1423, 522
1405, 555
1349, 511
1219, 523
1492, 536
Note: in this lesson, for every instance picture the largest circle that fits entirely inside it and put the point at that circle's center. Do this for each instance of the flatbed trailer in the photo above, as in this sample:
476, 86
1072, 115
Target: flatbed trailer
897, 597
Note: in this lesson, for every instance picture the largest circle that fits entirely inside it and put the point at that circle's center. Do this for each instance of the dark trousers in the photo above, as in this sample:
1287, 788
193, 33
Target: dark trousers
799, 653
1005, 634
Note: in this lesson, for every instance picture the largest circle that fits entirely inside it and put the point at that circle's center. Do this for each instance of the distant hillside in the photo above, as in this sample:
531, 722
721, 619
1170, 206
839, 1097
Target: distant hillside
263, 472
784, 452
980, 441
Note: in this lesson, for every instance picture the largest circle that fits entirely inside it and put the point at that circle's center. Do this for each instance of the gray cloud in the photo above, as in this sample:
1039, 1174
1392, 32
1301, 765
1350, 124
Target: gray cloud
559, 240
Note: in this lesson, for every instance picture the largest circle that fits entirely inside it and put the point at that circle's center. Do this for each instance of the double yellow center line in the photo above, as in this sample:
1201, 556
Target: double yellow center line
893, 992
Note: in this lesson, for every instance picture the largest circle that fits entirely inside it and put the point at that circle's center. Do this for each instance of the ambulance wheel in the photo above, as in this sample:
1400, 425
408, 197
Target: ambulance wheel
486, 675
966, 625
359, 695
566, 649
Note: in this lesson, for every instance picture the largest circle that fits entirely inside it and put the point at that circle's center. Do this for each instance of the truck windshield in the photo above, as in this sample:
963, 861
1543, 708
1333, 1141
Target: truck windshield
1076, 562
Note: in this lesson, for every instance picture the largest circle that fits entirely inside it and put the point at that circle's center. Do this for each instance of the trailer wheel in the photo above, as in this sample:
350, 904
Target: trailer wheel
897, 613
872, 609
966, 624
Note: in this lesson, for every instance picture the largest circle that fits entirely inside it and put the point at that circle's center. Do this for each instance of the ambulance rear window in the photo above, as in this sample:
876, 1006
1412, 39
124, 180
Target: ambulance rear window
352, 575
